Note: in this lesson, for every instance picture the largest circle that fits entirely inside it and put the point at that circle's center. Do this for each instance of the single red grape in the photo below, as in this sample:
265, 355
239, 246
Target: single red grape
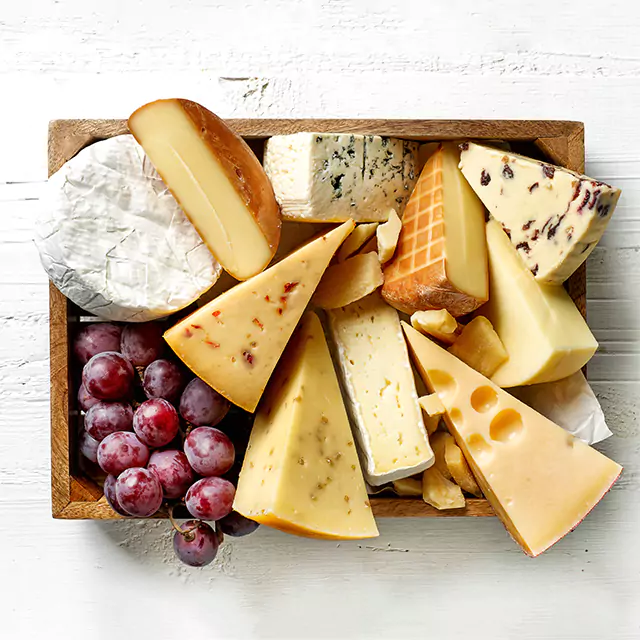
236, 525
173, 471
110, 495
105, 418
198, 545
163, 379
108, 376
210, 498
201, 405
96, 338
139, 492
156, 422
142, 343
209, 451
89, 447
121, 450
85, 399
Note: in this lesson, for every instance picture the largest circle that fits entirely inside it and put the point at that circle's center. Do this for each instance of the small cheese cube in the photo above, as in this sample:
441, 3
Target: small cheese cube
432, 405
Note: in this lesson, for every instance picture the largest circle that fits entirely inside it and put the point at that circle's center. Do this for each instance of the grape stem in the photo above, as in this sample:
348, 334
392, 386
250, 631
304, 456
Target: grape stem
188, 533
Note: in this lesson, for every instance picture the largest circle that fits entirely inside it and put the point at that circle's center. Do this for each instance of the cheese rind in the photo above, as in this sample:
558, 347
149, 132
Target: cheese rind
380, 390
332, 177
234, 342
217, 180
301, 472
555, 217
540, 480
543, 332
441, 258
387, 235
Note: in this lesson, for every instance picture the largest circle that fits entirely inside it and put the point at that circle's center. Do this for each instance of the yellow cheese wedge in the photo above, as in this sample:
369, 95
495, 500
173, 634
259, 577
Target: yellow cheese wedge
544, 334
234, 342
361, 234
539, 479
217, 180
301, 473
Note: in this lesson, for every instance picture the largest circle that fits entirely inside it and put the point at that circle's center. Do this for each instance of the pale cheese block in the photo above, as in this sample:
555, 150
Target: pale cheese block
380, 390
544, 334
441, 258
216, 178
234, 342
359, 236
387, 235
539, 479
349, 281
554, 217
301, 472
332, 177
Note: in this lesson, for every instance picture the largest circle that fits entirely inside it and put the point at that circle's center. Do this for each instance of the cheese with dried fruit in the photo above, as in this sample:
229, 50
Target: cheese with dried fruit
234, 342
554, 217
301, 472
540, 480
378, 382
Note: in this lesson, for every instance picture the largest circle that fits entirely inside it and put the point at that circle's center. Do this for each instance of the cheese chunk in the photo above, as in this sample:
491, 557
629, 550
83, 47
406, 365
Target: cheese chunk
360, 235
387, 235
431, 405
301, 472
380, 389
332, 177
555, 217
234, 342
437, 323
409, 487
480, 347
440, 492
539, 479
441, 258
540, 327
348, 281
217, 180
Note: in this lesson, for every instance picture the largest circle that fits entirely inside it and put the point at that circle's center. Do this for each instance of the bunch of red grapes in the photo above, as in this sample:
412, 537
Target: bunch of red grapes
153, 432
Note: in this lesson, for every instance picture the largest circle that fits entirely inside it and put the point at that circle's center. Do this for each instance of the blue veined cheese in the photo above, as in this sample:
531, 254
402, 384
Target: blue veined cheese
380, 391
332, 177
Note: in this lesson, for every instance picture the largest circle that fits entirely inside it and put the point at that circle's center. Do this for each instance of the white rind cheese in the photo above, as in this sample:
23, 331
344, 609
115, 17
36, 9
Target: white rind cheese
329, 177
114, 240
380, 390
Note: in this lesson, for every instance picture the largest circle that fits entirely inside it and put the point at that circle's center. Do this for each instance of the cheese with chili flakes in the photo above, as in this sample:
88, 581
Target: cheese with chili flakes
234, 342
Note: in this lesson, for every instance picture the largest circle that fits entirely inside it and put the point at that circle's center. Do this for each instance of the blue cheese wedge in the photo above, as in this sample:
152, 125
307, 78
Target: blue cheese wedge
331, 177
553, 216
380, 391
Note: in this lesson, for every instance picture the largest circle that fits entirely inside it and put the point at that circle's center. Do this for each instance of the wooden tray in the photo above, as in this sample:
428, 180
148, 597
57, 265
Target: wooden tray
75, 495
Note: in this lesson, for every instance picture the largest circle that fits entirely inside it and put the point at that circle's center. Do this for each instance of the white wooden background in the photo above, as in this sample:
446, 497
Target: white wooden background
445, 578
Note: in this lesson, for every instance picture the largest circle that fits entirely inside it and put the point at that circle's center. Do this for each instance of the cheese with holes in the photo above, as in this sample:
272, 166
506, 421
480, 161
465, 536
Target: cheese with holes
114, 240
441, 258
332, 177
234, 342
301, 472
555, 217
540, 327
379, 386
539, 479
217, 180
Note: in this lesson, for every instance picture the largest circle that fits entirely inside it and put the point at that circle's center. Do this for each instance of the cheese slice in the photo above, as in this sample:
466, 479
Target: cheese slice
234, 342
361, 234
301, 472
387, 235
217, 180
555, 217
543, 332
380, 390
539, 479
441, 258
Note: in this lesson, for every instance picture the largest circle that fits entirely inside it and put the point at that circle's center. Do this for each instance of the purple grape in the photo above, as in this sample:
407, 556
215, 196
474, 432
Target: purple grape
121, 450
108, 376
156, 422
173, 471
89, 447
105, 418
236, 525
96, 338
139, 492
142, 343
210, 498
163, 379
209, 451
201, 405
85, 399
110, 495
198, 545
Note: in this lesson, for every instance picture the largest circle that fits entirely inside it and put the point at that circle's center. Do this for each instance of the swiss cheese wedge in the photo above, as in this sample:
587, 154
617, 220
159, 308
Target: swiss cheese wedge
301, 473
539, 479
235, 341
